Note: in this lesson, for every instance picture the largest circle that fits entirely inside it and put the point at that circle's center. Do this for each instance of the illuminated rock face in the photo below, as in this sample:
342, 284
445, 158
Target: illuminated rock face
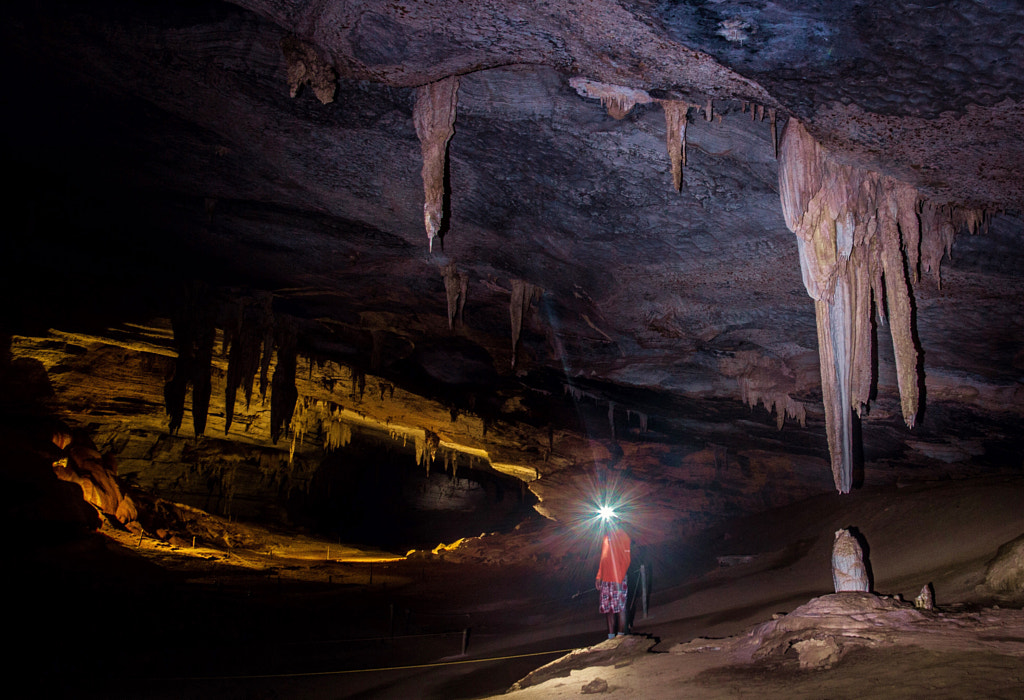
600, 305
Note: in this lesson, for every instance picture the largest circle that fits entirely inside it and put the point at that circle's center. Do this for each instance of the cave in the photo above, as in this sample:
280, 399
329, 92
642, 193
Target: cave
329, 328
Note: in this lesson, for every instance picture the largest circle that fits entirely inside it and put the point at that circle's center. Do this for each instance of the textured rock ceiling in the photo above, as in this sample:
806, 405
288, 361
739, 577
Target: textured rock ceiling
157, 143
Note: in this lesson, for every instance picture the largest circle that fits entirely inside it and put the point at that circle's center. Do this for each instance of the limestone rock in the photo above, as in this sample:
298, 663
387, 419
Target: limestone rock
848, 570
1005, 572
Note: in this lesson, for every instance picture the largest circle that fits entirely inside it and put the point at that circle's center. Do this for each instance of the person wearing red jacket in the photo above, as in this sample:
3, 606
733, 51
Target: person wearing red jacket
611, 577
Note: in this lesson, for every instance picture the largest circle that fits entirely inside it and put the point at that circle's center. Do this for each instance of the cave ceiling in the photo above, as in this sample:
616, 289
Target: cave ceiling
157, 143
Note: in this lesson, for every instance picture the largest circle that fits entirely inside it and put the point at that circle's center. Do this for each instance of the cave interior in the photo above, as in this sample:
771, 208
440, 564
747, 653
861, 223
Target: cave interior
437, 279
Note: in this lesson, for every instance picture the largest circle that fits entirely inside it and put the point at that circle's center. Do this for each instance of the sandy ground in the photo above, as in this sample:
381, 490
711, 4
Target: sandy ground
124, 616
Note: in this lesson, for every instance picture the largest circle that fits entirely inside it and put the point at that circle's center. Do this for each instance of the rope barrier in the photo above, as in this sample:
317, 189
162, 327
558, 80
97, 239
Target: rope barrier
368, 670
395, 637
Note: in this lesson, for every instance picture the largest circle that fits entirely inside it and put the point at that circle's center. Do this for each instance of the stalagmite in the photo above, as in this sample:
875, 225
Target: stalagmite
434, 118
675, 137
618, 100
857, 234
523, 296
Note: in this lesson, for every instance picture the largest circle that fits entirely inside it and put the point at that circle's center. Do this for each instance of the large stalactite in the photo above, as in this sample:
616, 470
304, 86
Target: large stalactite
853, 228
434, 118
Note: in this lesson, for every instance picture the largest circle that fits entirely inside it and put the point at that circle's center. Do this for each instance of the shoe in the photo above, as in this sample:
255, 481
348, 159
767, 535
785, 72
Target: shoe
611, 636
621, 634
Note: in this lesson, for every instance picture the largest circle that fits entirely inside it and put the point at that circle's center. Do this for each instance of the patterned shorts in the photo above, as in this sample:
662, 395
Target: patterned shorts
613, 596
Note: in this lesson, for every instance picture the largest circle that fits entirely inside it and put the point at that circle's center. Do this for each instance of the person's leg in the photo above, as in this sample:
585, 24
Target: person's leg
611, 623
623, 623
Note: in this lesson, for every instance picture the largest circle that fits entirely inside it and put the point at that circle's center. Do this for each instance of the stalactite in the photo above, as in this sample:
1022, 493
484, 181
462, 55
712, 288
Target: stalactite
611, 418
857, 235
897, 295
675, 138
455, 286
618, 100
576, 393
523, 296
194, 336
337, 433
937, 238
244, 354
357, 389
434, 118
709, 110
775, 133
306, 67
778, 403
433, 443
283, 393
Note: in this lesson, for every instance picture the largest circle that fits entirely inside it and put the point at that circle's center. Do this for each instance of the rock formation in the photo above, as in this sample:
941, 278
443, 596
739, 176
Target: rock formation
95, 475
858, 235
434, 117
677, 317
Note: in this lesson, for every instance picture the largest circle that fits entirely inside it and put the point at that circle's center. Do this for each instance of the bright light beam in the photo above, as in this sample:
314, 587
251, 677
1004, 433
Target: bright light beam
606, 512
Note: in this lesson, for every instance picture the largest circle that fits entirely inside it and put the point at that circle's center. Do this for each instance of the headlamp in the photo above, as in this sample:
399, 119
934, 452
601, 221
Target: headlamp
606, 513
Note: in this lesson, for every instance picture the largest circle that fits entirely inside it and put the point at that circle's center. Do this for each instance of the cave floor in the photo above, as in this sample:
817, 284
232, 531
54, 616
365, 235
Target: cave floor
112, 616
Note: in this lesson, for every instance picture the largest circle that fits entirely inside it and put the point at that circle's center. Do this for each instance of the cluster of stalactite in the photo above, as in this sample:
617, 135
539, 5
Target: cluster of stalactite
248, 343
620, 101
305, 66
326, 418
861, 237
426, 448
194, 334
251, 334
780, 403
617, 99
758, 113
434, 119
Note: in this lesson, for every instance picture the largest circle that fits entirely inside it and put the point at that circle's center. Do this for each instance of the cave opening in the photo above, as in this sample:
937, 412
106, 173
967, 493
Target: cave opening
374, 491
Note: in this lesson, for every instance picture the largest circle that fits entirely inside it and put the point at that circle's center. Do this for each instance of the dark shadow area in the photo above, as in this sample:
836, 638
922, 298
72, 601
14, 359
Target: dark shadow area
374, 492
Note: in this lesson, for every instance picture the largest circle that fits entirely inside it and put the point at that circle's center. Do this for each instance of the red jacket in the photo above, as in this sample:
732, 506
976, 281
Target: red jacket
614, 557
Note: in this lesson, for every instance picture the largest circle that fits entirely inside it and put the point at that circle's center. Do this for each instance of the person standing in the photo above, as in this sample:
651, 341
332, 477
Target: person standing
611, 578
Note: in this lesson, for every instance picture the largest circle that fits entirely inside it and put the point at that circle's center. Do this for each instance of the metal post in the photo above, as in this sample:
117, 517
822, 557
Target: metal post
465, 640
643, 587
